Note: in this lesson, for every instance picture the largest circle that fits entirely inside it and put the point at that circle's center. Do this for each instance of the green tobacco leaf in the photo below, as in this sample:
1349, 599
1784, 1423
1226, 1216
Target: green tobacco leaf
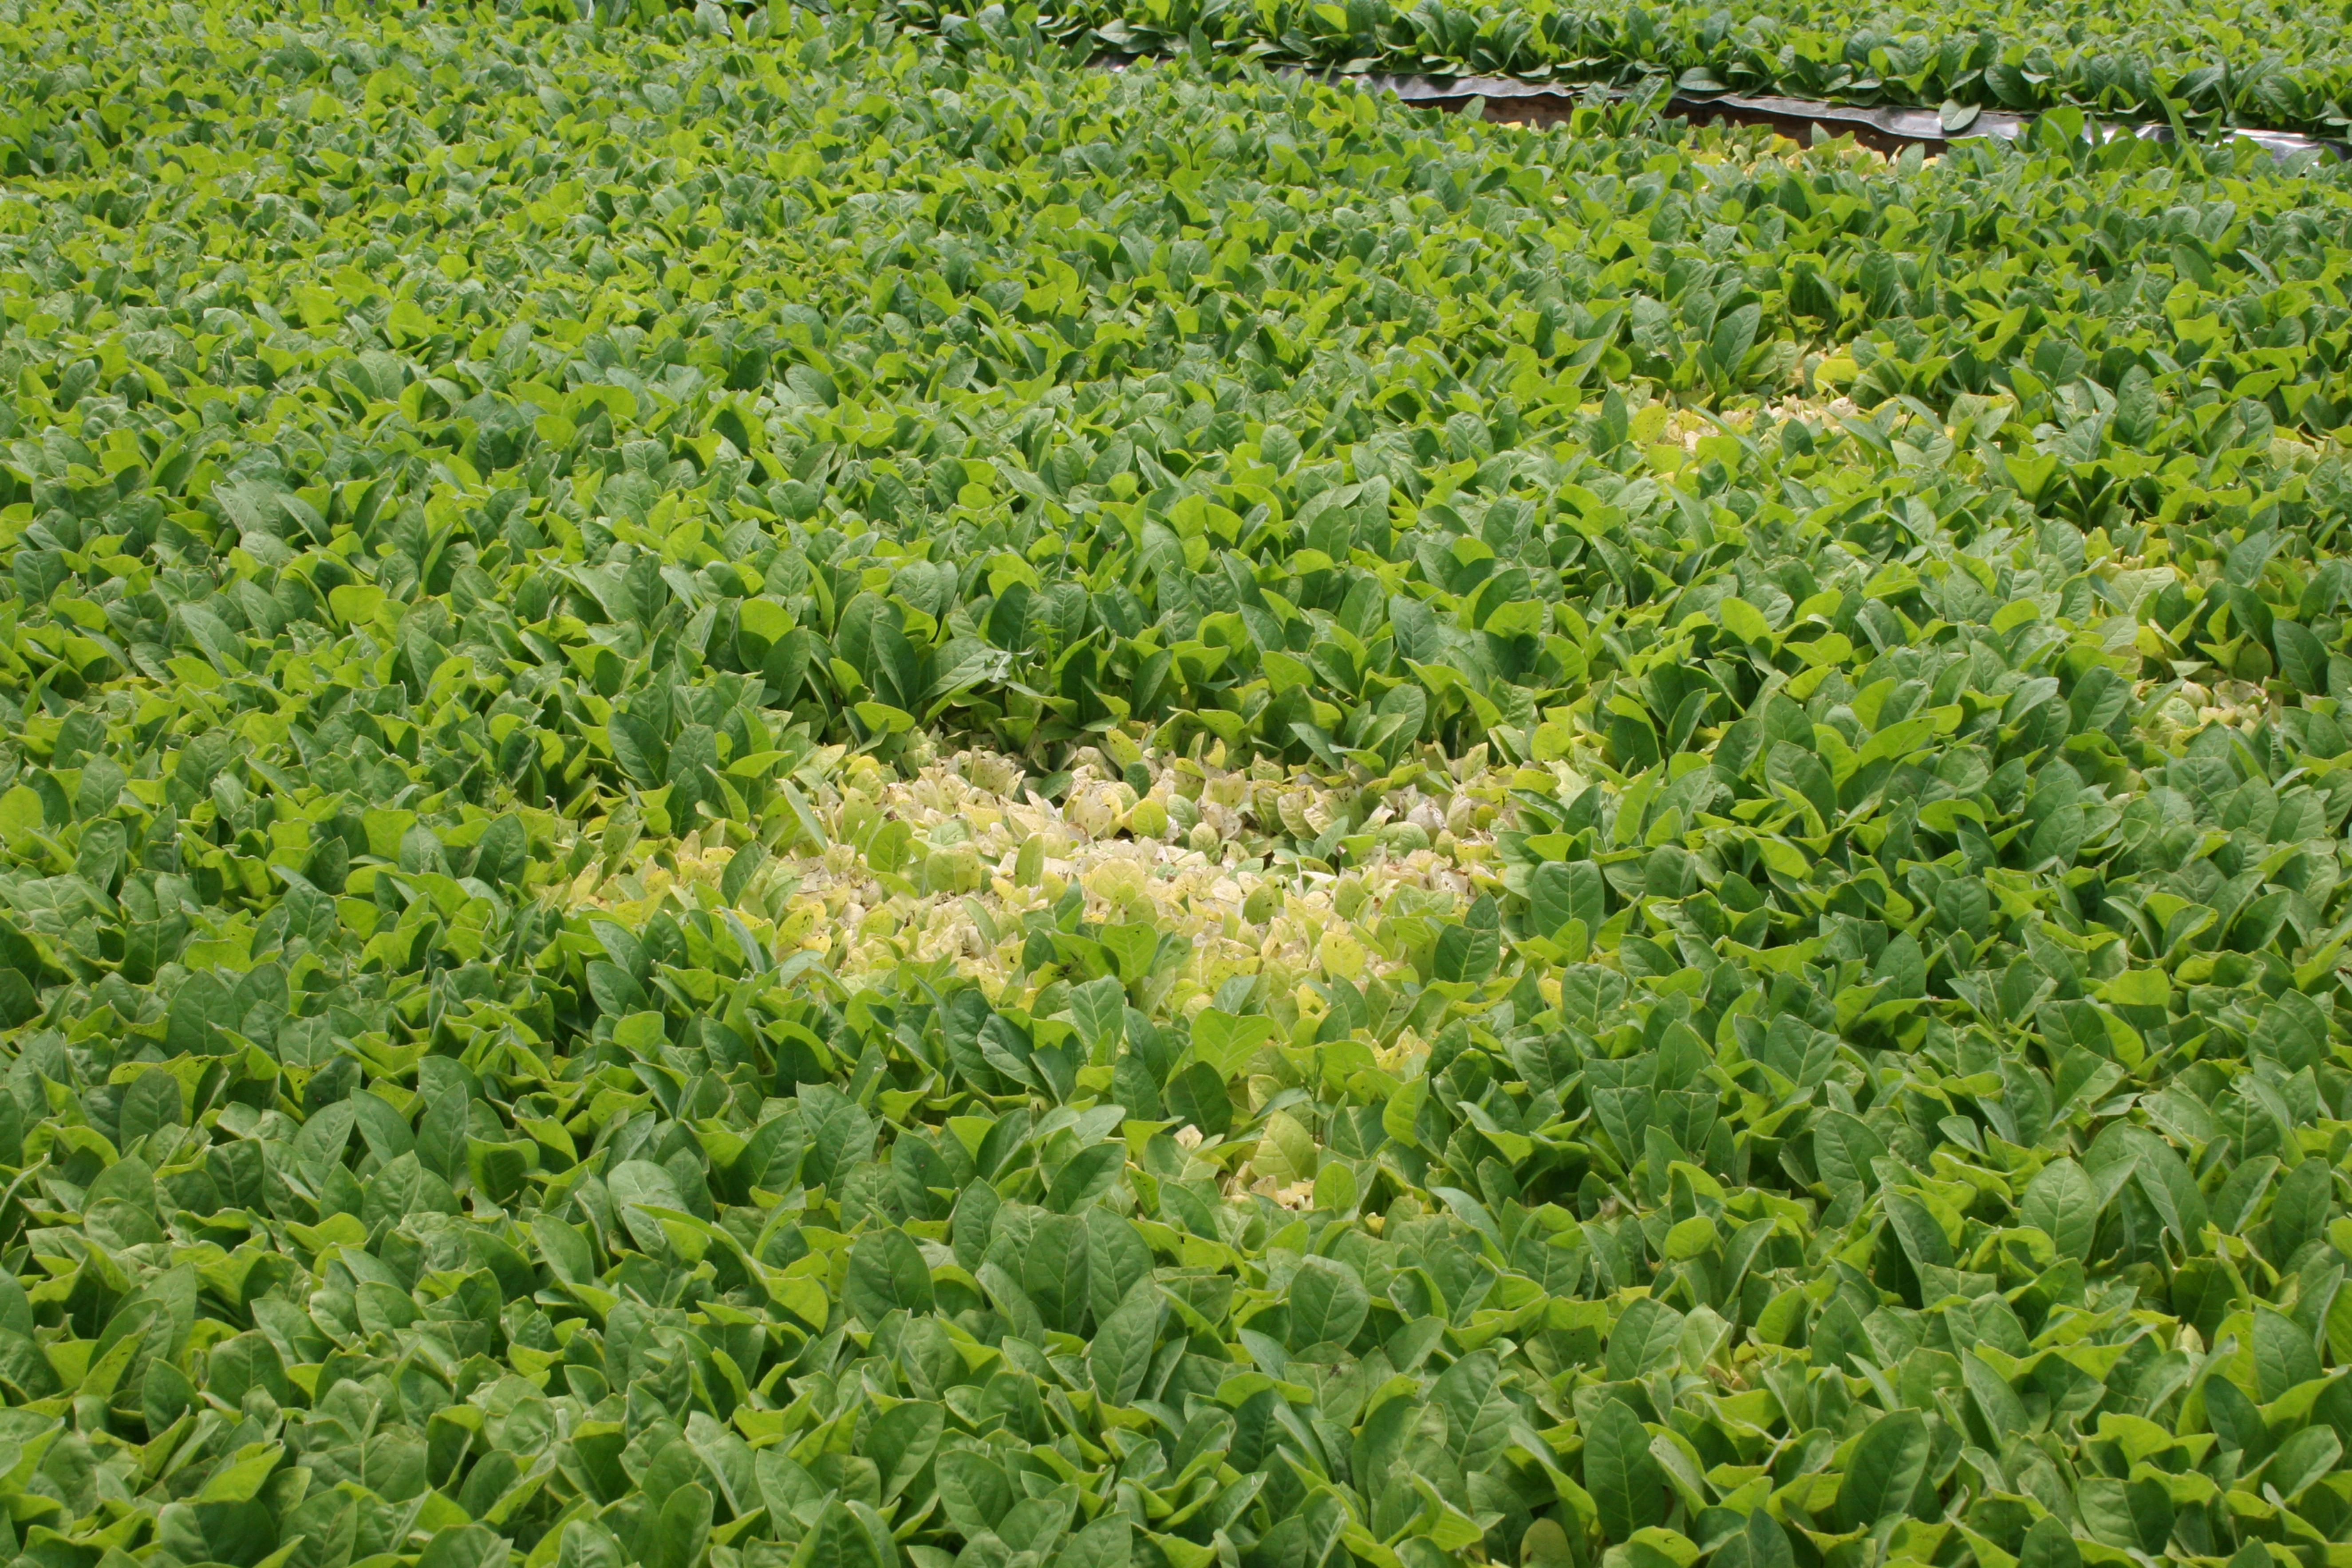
2285, 1356
839, 1540
1089, 1173
902, 1441
1098, 1008
1470, 951
1624, 1482
1226, 1043
2061, 1202
1644, 1339
1478, 1410
1119, 1358
2048, 1544
2304, 1458
887, 1274
1889, 1460
1558, 892
1329, 1303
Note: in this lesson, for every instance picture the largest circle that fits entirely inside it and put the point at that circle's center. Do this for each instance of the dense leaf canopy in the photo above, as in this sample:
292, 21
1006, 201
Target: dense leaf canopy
791, 798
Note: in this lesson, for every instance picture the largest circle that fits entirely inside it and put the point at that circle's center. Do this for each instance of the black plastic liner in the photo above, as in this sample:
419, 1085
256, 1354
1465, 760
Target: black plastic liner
1508, 100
